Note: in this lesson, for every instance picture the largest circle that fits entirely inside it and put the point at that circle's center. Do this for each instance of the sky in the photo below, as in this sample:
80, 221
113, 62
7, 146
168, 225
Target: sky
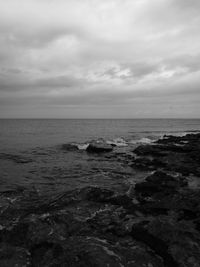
99, 59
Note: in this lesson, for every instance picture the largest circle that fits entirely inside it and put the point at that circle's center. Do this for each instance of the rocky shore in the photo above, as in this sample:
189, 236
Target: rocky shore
156, 223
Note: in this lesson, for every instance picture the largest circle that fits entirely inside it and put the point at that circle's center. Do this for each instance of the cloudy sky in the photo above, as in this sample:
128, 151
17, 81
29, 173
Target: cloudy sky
99, 58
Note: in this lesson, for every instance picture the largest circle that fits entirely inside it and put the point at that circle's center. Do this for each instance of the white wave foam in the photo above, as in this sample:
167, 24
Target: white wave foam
117, 142
82, 146
143, 140
179, 134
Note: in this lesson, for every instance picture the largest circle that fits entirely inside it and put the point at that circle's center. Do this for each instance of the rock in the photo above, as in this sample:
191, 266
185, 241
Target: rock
48, 254
155, 225
69, 147
11, 256
99, 147
159, 182
179, 154
181, 238
145, 150
176, 242
95, 194
155, 243
145, 163
95, 251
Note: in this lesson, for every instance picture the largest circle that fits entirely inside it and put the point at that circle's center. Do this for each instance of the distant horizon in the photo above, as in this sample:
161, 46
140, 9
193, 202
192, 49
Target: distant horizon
99, 118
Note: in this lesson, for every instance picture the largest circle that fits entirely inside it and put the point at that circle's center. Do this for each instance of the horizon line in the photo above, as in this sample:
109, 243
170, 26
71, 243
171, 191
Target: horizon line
100, 118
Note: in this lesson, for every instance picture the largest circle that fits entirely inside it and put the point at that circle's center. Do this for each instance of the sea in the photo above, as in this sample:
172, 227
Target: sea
32, 157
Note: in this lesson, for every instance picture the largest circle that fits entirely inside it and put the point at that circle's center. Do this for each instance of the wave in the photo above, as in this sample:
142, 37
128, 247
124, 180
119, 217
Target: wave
143, 140
121, 142
169, 131
117, 142
82, 146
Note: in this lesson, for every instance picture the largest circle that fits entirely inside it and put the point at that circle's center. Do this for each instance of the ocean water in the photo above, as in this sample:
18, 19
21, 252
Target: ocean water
16, 134
32, 158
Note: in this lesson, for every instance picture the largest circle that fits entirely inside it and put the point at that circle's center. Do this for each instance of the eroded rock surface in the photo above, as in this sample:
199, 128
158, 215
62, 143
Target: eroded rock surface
96, 147
179, 154
155, 224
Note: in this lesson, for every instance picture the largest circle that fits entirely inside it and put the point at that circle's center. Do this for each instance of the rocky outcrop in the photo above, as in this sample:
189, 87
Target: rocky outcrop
96, 147
157, 224
179, 154
69, 147
80, 228
160, 182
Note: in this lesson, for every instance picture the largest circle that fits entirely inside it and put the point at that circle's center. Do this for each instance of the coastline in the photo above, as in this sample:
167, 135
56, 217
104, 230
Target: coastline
155, 223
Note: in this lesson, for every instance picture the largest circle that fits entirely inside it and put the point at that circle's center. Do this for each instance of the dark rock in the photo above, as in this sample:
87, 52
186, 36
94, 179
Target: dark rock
159, 182
69, 147
181, 238
16, 236
99, 147
96, 194
146, 163
14, 256
47, 254
176, 242
144, 150
157, 224
155, 243
179, 154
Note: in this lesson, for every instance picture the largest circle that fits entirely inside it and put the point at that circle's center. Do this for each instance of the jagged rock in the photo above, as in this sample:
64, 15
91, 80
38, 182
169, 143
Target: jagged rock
180, 240
179, 154
159, 182
96, 194
99, 147
157, 225
69, 147
11, 256
93, 251
145, 150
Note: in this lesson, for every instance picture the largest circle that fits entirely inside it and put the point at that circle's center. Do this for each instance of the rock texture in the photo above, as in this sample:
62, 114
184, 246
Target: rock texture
157, 225
179, 154
96, 147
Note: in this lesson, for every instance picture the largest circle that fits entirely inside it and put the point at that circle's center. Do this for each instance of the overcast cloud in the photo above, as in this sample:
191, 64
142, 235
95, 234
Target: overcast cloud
100, 58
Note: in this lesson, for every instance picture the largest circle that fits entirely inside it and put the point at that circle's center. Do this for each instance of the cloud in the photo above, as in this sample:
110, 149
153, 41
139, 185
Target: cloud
99, 53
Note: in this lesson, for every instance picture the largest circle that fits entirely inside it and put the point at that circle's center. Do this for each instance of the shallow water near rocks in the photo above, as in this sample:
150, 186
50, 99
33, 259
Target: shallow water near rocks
32, 157
31, 154
56, 201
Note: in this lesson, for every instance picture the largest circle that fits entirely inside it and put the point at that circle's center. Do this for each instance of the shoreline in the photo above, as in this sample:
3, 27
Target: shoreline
156, 223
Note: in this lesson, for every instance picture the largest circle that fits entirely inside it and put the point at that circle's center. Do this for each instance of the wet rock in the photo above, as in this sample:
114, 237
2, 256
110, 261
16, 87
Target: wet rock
188, 138
95, 194
160, 182
15, 235
181, 238
145, 163
94, 251
96, 147
47, 254
180, 154
11, 256
156, 225
69, 147
155, 243
182, 204
153, 150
